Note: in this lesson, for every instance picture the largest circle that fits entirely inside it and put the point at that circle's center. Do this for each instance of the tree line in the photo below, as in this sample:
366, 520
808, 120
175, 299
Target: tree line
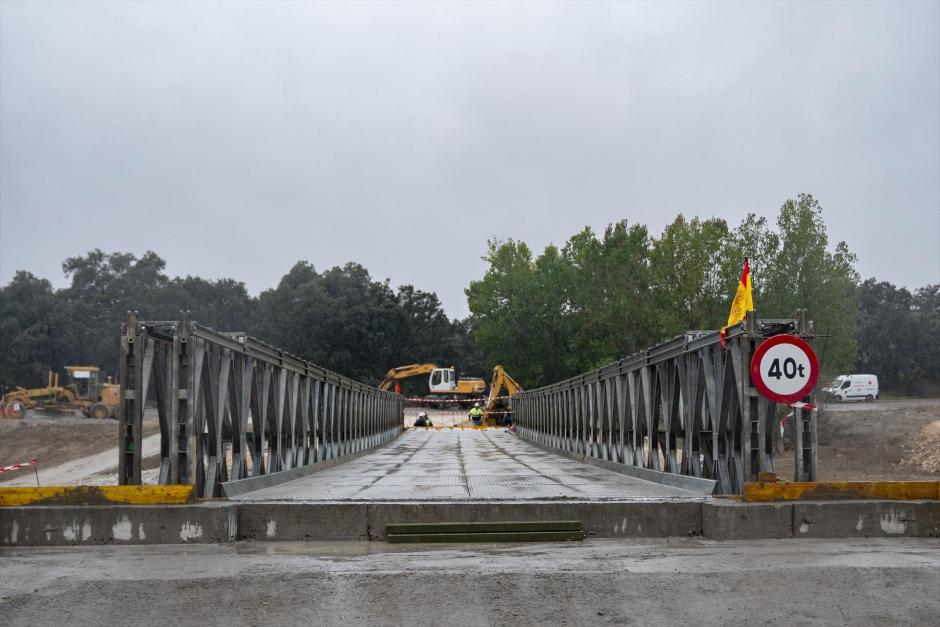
544, 316
597, 298
339, 318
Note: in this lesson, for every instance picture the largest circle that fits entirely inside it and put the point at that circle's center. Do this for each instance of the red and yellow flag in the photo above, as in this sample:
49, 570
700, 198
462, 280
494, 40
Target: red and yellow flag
743, 300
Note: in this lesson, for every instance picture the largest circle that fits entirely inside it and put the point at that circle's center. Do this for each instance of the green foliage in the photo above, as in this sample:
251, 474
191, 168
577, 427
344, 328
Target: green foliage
522, 300
544, 317
557, 315
343, 320
103, 288
803, 272
34, 332
610, 299
340, 319
685, 263
899, 337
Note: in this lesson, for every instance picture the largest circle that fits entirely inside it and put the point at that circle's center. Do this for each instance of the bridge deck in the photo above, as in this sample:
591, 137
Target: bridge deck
428, 465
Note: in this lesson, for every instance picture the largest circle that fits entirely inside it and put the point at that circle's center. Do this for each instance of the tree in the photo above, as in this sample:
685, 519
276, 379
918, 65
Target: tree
104, 287
431, 337
343, 320
752, 239
899, 337
567, 311
927, 307
804, 273
686, 269
887, 336
518, 311
34, 332
556, 315
223, 304
613, 314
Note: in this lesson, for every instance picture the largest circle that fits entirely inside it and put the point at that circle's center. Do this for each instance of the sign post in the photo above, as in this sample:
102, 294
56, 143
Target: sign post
784, 368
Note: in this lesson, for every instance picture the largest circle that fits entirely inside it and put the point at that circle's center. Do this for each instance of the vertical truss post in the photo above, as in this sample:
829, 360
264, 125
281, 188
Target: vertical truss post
687, 397
804, 424
183, 470
128, 414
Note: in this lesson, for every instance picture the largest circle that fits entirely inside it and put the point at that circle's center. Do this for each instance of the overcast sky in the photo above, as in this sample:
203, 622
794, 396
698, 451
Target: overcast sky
235, 139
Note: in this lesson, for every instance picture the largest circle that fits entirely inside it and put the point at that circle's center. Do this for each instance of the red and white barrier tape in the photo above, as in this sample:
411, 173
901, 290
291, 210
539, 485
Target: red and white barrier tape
797, 405
802, 405
453, 400
32, 462
14, 410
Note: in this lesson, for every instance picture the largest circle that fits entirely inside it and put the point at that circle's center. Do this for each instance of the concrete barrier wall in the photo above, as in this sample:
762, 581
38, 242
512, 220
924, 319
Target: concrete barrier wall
124, 524
228, 522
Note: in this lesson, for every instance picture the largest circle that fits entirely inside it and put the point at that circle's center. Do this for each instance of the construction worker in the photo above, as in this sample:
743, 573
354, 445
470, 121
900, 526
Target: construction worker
423, 420
476, 415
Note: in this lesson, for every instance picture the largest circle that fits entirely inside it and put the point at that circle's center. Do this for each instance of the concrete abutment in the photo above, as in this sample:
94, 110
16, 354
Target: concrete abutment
221, 522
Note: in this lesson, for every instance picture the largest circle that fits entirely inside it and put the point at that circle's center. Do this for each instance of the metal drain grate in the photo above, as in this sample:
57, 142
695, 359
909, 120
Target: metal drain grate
509, 531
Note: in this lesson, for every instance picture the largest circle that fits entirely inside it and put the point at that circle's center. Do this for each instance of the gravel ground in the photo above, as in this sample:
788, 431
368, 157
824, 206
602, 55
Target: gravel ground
871, 441
679, 581
58, 442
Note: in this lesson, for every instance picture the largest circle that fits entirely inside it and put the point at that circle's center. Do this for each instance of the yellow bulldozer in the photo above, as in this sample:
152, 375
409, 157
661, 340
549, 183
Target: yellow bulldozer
84, 392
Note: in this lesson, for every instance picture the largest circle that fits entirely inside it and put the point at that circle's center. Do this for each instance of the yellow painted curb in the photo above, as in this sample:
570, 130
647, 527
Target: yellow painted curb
829, 490
98, 495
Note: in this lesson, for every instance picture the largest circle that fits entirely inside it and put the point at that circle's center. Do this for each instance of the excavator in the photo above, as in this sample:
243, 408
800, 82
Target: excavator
496, 404
445, 381
84, 392
441, 381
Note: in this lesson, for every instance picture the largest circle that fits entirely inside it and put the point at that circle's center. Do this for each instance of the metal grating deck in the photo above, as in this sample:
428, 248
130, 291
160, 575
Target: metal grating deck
489, 465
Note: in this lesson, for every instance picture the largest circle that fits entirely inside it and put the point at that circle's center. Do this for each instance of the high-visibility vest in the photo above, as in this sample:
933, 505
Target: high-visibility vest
476, 413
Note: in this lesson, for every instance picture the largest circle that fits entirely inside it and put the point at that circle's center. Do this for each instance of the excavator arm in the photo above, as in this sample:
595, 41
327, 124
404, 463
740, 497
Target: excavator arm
501, 380
404, 372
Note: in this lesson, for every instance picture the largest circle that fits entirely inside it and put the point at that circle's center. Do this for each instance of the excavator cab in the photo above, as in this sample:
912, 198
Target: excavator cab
84, 381
443, 380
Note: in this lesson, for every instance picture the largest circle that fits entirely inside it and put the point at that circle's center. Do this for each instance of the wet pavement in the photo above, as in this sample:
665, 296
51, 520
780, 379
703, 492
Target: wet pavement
619, 582
462, 465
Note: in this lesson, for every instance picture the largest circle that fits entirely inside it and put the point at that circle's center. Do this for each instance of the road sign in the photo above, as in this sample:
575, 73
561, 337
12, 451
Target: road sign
784, 368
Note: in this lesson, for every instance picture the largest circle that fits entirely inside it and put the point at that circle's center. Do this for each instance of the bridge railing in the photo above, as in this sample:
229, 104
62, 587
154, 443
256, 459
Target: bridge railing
686, 406
232, 407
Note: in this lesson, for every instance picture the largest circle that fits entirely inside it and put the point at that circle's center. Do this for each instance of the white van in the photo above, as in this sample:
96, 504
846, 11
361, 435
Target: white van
854, 387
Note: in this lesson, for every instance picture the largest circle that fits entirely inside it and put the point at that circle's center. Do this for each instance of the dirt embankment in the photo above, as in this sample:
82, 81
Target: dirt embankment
883, 440
924, 452
54, 440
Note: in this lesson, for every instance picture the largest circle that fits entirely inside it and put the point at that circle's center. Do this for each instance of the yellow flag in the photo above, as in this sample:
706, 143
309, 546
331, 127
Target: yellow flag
743, 300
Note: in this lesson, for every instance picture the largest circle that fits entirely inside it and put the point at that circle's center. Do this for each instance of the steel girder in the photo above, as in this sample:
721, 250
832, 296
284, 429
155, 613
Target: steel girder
231, 406
686, 406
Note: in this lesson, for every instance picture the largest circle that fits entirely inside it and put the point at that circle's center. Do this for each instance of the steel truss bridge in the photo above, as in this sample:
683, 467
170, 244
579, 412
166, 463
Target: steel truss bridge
234, 411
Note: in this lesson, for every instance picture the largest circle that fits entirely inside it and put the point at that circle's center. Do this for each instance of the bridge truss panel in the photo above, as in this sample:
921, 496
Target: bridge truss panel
232, 407
686, 406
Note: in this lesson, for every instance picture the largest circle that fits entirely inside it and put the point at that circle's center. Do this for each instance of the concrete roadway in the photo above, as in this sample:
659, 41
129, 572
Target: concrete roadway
645, 582
462, 465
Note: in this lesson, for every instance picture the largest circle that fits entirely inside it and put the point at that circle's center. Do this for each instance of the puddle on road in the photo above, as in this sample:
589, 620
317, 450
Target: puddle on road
357, 549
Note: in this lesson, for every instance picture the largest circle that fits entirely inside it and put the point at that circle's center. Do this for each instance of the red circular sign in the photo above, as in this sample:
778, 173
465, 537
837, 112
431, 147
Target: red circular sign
784, 368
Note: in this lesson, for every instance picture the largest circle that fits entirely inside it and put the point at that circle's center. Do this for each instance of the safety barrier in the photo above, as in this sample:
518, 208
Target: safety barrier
686, 406
232, 407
